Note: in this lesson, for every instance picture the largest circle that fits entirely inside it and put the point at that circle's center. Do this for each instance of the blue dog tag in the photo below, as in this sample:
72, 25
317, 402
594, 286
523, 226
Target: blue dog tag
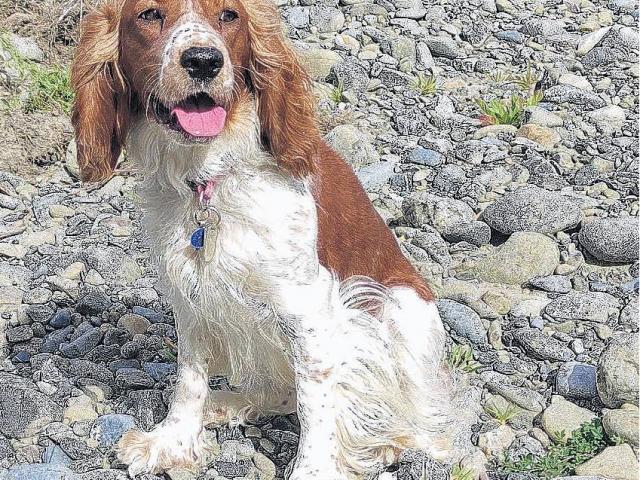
197, 238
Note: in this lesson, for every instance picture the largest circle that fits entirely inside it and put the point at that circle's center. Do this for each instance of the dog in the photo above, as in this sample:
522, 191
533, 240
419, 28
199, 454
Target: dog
281, 274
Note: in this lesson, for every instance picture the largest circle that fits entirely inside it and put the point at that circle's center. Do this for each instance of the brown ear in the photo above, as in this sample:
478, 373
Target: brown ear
100, 113
286, 106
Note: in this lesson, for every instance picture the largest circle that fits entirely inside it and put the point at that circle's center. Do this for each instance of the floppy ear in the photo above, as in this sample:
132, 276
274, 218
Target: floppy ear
286, 105
100, 113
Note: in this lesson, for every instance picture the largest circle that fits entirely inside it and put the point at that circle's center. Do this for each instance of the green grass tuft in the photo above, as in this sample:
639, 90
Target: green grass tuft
424, 84
461, 358
508, 111
48, 88
461, 473
503, 414
337, 94
564, 455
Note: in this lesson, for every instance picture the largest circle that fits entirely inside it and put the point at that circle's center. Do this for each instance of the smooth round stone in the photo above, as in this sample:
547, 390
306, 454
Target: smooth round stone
61, 319
426, 157
576, 380
108, 429
462, 320
532, 209
612, 239
617, 374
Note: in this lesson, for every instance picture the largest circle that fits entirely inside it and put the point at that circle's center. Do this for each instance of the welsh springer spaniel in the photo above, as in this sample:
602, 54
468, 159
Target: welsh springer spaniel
281, 274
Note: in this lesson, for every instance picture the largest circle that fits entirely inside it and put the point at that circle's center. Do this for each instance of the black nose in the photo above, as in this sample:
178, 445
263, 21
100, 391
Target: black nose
202, 63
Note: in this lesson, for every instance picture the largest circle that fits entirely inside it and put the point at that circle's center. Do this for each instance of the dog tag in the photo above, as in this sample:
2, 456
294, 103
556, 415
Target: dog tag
204, 238
210, 239
197, 238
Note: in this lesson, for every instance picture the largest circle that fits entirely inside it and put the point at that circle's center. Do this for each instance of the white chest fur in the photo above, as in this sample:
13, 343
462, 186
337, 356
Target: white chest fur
267, 233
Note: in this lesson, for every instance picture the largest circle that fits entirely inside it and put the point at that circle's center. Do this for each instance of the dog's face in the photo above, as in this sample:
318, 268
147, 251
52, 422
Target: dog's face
193, 67
187, 61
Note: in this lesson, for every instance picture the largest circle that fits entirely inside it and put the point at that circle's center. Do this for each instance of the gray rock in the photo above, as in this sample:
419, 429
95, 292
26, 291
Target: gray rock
592, 307
353, 145
93, 302
463, 321
562, 418
21, 333
107, 429
512, 36
298, 17
146, 406
113, 263
616, 463
326, 19
159, 371
542, 346
576, 380
521, 396
351, 75
600, 57
443, 47
40, 471
552, 283
132, 378
23, 409
573, 95
426, 157
449, 178
82, 345
622, 423
525, 255
537, 26
53, 454
533, 209
476, 233
422, 208
375, 175
612, 239
617, 375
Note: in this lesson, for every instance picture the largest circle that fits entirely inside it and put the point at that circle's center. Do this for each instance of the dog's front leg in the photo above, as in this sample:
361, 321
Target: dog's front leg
179, 439
311, 315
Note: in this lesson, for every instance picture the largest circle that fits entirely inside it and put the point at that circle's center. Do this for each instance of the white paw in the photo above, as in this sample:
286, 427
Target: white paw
167, 446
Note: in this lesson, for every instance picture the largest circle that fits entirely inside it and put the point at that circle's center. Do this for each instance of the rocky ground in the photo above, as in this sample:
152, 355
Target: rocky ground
528, 231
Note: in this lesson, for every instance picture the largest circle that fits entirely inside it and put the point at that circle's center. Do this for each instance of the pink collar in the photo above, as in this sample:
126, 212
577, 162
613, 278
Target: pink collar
204, 191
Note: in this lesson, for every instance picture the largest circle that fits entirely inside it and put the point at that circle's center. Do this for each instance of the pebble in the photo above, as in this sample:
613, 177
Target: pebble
552, 283
426, 157
612, 239
463, 321
533, 209
542, 135
79, 409
107, 429
562, 418
592, 307
576, 380
93, 302
541, 346
617, 374
615, 463
525, 255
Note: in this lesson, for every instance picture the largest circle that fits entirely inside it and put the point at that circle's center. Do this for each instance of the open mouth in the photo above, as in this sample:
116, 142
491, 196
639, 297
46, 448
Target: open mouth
197, 117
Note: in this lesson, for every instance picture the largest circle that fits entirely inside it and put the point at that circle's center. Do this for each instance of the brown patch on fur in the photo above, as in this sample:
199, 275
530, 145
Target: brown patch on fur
101, 111
286, 105
352, 238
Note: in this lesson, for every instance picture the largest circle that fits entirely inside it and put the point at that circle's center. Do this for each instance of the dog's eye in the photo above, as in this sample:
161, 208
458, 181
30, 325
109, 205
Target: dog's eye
151, 15
228, 16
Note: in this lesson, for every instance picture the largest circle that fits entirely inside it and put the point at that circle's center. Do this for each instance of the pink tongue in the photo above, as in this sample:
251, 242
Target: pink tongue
201, 121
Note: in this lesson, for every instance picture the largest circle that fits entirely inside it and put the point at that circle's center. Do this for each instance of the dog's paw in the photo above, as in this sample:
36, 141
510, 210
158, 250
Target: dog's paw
163, 448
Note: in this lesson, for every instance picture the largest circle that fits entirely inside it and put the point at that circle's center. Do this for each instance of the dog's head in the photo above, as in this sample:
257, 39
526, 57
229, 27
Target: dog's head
191, 66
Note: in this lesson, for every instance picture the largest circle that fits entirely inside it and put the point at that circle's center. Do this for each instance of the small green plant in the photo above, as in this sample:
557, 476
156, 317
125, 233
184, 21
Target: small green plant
500, 76
425, 84
563, 455
337, 94
502, 414
506, 111
461, 357
48, 88
527, 80
461, 473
